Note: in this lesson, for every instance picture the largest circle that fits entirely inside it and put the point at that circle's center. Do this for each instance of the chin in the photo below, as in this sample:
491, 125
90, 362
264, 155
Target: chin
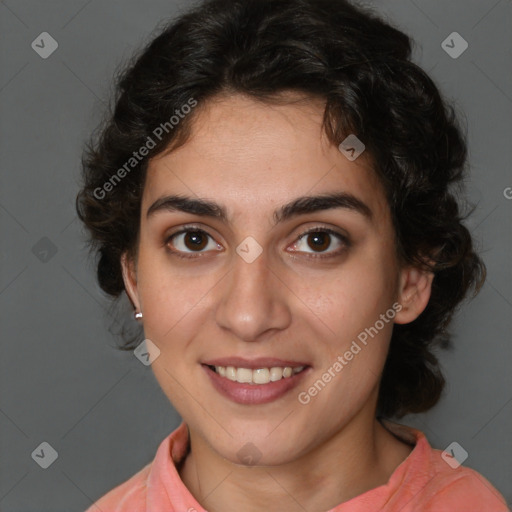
253, 444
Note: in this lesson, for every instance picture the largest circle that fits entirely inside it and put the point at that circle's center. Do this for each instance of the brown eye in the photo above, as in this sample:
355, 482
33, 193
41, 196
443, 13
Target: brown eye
319, 241
189, 241
195, 240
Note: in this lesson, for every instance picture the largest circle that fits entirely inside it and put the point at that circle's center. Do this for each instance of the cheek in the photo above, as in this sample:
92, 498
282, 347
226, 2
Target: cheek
344, 316
173, 310
170, 300
349, 299
350, 371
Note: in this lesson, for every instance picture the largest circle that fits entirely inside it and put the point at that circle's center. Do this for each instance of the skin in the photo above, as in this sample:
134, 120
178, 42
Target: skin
252, 158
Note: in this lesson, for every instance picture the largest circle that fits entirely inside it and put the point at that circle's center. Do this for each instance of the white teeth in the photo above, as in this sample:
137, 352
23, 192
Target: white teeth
244, 375
276, 373
258, 376
261, 376
230, 372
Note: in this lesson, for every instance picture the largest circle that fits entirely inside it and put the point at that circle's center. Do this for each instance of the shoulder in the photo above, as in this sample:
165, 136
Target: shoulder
129, 495
430, 480
149, 488
462, 489
454, 488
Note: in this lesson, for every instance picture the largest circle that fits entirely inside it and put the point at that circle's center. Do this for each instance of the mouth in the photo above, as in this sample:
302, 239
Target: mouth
258, 375
257, 385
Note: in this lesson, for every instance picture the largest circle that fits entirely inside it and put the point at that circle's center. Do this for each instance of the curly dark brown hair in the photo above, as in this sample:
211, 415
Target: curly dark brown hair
361, 67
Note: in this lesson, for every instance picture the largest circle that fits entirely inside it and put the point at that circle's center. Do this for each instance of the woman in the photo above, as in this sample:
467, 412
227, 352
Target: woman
274, 193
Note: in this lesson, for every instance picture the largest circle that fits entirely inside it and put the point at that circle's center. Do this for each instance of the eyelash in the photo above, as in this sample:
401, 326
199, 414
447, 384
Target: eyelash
317, 229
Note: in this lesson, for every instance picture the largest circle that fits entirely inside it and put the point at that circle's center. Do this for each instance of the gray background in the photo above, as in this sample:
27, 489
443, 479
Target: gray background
62, 380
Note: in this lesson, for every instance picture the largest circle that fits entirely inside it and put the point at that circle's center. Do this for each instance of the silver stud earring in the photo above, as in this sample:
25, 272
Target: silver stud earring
138, 315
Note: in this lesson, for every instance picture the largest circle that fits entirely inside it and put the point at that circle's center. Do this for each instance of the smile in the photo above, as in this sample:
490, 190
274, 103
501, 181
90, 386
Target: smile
257, 376
255, 386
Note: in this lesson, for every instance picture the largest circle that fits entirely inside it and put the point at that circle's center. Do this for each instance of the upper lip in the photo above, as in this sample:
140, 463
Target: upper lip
253, 364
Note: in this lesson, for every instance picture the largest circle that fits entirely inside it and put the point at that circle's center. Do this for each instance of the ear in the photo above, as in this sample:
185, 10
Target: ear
414, 293
130, 279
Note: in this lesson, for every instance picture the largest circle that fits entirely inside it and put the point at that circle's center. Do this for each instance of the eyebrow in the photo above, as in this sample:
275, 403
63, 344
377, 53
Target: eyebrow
299, 206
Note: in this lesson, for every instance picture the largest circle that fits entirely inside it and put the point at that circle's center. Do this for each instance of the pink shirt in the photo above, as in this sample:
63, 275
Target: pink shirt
423, 482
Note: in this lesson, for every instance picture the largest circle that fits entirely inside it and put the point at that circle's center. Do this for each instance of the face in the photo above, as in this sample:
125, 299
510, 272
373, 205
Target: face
267, 286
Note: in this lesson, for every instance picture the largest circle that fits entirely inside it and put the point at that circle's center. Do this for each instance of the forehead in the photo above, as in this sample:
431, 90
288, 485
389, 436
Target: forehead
246, 154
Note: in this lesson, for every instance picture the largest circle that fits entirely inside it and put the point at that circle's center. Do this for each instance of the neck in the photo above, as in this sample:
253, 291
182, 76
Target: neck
360, 457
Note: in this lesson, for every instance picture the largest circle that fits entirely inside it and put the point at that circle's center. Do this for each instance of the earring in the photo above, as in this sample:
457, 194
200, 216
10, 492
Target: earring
138, 315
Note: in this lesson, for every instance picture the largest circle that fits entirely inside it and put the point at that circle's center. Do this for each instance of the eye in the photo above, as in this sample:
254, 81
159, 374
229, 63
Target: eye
319, 240
191, 240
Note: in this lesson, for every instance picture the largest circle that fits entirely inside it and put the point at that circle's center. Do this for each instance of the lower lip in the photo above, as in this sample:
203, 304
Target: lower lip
254, 393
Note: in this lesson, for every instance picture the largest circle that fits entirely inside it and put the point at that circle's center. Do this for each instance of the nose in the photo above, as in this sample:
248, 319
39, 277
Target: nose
253, 300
